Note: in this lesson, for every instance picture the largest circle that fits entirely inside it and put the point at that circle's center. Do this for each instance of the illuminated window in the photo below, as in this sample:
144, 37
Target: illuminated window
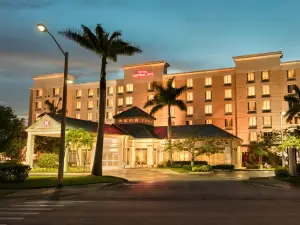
251, 91
227, 79
120, 101
110, 90
120, 89
228, 108
208, 95
266, 105
172, 109
90, 116
265, 75
252, 136
208, 121
39, 93
228, 123
208, 109
252, 106
267, 121
98, 91
109, 102
251, 77
189, 96
228, 94
55, 91
90, 104
252, 121
150, 86
128, 100
291, 88
208, 81
109, 115
119, 111
265, 90
77, 116
150, 97
97, 103
90, 92
190, 110
189, 83
291, 74
129, 87
78, 93
38, 105
189, 122
174, 84
78, 105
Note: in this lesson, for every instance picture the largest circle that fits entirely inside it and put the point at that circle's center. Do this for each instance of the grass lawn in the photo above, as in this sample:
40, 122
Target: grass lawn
44, 182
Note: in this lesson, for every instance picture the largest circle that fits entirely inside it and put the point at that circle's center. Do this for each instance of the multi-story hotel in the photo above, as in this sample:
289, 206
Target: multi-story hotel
244, 100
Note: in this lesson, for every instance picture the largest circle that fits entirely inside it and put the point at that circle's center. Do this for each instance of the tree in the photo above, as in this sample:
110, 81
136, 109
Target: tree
209, 147
52, 108
87, 143
259, 149
166, 96
108, 47
294, 104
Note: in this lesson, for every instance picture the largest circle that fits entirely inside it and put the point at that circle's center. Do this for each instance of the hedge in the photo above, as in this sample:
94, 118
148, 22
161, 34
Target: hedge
48, 160
13, 172
281, 171
202, 168
223, 167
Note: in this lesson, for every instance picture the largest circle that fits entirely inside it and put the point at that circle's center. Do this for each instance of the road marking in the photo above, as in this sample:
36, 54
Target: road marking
37, 205
11, 218
27, 209
53, 201
20, 213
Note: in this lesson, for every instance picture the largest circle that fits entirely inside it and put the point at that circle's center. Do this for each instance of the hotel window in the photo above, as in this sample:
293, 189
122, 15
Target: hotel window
77, 116
174, 84
90, 104
291, 74
227, 79
78, 105
265, 75
228, 123
252, 122
267, 121
208, 95
128, 101
38, 105
266, 106
172, 111
189, 96
90, 116
251, 91
252, 106
250, 77
150, 97
208, 121
189, 122
252, 136
291, 89
55, 91
120, 89
78, 93
120, 101
208, 81
228, 108
109, 115
150, 86
97, 103
208, 109
109, 102
228, 94
189, 83
110, 90
129, 88
190, 111
39, 93
266, 90
90, 92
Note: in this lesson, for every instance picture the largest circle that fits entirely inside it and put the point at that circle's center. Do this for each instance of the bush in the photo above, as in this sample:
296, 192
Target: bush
13, 172
177, 165
77, 170
252, 166
162, 165
182, 163
44, 170
223, 167
203, 168
187, 167
281, 171
48, 160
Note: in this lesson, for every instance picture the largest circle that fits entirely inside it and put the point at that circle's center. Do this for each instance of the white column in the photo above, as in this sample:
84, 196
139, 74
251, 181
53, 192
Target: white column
238, 157
132, 155
150, 155
92, 155
30, 149
292, 161
121, 153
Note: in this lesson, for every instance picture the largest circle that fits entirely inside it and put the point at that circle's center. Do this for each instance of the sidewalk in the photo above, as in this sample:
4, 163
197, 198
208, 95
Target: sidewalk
270, 182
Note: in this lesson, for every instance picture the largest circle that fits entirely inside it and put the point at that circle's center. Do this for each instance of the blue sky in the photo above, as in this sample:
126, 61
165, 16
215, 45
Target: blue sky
190, 35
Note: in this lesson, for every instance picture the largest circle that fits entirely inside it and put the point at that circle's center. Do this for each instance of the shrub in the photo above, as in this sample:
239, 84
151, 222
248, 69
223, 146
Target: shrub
13, 172
223, 167
162, 165
177, 165
281, 171
186, 163
77, 170
44, 170
48, 160
203, 168
187, 167
252, 166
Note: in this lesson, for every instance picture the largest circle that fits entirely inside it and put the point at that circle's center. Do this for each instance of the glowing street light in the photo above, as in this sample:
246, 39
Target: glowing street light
42, 27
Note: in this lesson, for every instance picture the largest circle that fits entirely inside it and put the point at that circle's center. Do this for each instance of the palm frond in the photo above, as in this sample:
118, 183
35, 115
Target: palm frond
99, 30
297, 91
120, 47
156, 109
158, 87
89, 36
170, 82
180, 104
180, 90
291, 99
116, 34
292, 112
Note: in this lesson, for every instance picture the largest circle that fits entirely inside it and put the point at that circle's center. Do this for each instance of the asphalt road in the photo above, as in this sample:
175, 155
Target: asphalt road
174, 202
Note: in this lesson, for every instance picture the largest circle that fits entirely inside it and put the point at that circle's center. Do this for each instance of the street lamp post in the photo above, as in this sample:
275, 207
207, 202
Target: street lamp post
43, 28
281, 131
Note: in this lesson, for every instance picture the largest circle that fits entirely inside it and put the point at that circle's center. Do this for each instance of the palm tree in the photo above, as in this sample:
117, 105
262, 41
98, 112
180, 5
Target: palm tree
166, 96
107, 47
52, 108
294, 104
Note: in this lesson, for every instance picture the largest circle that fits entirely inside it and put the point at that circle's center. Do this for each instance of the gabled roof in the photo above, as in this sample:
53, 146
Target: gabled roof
138, 130
133, 112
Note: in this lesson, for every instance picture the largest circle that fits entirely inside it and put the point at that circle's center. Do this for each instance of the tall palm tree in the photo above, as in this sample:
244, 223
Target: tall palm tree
108, 47
166, 96
52, 108
294, 104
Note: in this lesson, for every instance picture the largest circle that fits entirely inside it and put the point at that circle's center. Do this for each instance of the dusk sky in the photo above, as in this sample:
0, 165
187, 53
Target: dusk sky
189, 35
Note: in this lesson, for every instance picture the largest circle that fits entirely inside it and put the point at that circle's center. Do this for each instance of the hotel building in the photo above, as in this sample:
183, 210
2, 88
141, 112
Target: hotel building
245, 100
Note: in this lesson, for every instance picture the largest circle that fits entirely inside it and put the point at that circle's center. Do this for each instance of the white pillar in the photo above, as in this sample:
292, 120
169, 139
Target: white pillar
238, 157
150, 155
292, 161
92, 155
132, 155
30, 149
121, 157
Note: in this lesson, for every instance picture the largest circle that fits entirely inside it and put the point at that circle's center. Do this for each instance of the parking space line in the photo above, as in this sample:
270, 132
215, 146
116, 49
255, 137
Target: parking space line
27, 209
11, 218
19, 213
25, 205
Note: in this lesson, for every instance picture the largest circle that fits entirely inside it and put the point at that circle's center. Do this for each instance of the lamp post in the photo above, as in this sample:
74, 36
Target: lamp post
281, 131
43, 28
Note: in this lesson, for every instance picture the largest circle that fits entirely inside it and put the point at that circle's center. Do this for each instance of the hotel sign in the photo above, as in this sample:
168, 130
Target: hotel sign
46, 123
142, 73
